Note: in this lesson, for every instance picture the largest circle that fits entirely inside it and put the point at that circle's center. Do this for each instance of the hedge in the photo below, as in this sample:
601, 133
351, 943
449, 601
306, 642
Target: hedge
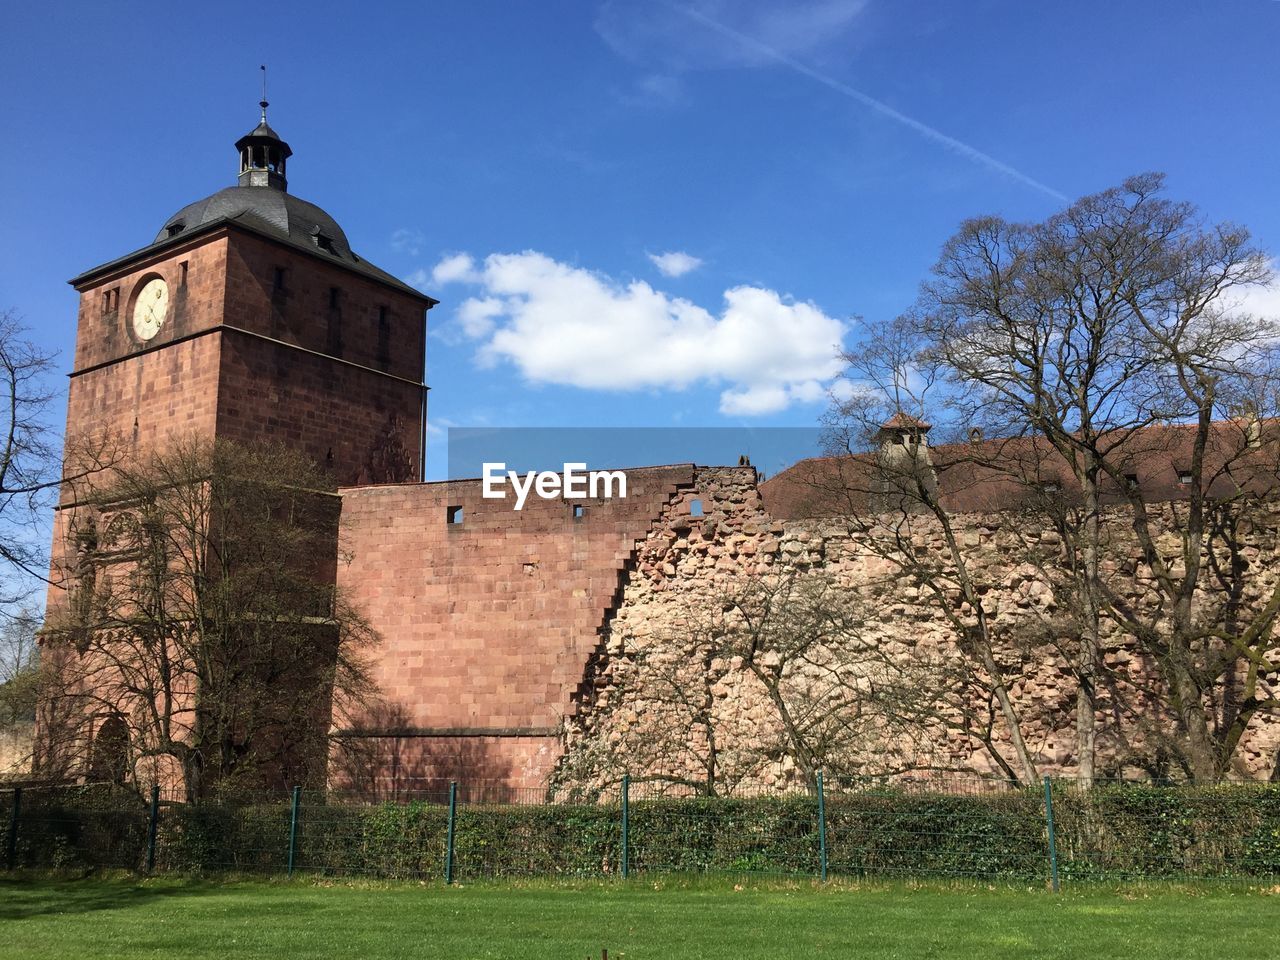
1111, 832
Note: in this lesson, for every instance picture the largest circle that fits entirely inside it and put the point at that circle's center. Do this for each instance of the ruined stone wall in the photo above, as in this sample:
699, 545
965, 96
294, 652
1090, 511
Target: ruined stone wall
664, 695
534, 650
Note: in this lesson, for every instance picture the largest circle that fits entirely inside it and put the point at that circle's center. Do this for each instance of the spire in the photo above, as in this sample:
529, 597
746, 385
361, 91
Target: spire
262, 152
263, 102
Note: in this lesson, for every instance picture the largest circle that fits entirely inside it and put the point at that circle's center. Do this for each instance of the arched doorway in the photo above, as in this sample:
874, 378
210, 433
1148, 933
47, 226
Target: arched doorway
109, 759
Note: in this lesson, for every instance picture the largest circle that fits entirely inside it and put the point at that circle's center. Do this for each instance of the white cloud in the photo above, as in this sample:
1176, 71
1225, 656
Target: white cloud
1262, 303
560, 324
477, 316
407, 240
675, 263
421, 279
456, 268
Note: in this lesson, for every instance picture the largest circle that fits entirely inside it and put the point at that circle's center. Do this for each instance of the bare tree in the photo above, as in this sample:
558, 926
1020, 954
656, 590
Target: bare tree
1094, 348
762, 676
659, 715
203, 619
799, 636
889, 490
29, 475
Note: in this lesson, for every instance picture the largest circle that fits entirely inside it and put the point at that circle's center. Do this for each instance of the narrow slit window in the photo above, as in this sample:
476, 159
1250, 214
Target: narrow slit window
278, 281
383, 346
333, 298
453, 515
695, 508
182, 279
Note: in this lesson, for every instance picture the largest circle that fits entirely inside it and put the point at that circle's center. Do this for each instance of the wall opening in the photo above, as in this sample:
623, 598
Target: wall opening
695, 508
384, 339
109, 760
453, 515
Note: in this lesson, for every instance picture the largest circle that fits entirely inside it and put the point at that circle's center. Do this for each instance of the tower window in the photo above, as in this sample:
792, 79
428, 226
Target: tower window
453, 515
182, 279
277, 283
175, 228
1131, 481
324, 242
1185, 477
579, 511
333, 298
384, 339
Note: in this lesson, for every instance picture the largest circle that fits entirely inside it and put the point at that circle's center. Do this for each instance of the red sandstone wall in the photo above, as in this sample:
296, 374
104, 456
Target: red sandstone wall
344, 412
488, 625
104, 334
339, 415
364, 322
166, 393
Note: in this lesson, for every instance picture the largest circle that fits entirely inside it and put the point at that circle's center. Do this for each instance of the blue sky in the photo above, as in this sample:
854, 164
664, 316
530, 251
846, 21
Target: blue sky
530, 164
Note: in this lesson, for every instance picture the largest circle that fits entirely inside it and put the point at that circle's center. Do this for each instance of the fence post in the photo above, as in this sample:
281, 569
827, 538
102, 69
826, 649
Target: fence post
293, 827
1053, 843
448, 848
626, 825
12, 853
152, 824
822, 829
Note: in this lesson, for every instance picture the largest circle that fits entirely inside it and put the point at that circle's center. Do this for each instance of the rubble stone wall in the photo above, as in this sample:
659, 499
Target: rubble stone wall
661, 688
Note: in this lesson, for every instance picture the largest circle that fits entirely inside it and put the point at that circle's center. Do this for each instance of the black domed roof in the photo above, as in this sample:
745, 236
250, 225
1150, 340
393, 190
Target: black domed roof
262, 204
276, 210
263, 130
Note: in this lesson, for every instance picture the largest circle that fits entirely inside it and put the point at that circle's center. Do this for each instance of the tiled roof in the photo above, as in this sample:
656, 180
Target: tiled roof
987, 476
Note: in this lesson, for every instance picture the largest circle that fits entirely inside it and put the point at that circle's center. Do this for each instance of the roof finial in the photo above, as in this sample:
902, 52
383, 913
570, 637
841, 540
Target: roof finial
263, 102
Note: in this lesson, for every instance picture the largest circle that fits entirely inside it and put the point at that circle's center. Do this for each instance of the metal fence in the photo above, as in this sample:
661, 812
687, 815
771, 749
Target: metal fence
982, 829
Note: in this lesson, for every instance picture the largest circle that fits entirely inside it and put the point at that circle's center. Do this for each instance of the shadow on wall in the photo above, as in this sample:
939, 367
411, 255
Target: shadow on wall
385, 761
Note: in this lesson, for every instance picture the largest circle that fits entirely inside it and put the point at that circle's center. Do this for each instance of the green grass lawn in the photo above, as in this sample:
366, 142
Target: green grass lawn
96, 919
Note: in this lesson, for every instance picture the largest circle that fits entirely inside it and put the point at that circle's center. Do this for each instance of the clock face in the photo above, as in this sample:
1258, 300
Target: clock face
151, 308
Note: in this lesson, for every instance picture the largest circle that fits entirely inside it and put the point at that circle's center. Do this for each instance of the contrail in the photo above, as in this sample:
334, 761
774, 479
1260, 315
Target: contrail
879, 106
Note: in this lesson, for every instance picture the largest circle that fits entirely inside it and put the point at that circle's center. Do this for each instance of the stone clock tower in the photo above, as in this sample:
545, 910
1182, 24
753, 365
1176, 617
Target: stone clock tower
249, 317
